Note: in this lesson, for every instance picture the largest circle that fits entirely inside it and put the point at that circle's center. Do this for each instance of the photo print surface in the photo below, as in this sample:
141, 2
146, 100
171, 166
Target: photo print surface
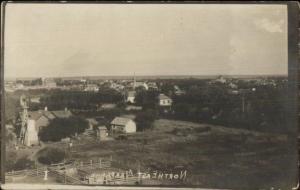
175, 95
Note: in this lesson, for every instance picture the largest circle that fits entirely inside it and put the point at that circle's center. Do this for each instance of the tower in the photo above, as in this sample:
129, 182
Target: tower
24, 117
31, 135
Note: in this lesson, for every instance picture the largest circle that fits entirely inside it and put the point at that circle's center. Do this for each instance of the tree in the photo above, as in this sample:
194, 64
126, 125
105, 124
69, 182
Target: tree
145, 119
60, 128
147, 99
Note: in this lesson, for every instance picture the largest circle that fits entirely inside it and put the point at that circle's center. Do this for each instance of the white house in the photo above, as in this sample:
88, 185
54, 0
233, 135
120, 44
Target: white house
164, 100
49, 83
131, 97
137, 84
123, 125
92, 88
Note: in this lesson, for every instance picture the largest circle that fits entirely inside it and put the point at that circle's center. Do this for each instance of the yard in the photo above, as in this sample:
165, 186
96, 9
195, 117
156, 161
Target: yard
212, 155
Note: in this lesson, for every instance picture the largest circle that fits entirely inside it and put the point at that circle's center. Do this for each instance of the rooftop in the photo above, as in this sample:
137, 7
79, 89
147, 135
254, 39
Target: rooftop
163, 97
35, 115
131, 93
120, 121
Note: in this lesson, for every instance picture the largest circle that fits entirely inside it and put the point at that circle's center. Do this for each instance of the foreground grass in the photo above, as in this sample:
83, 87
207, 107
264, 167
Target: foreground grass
213, 156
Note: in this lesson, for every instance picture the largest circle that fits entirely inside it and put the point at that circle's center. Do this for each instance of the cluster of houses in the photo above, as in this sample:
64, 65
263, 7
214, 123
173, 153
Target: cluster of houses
33, 121
30, 84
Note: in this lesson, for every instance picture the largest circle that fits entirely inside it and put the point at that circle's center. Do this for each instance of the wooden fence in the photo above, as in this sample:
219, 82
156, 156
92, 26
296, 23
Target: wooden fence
58, 170
64, 178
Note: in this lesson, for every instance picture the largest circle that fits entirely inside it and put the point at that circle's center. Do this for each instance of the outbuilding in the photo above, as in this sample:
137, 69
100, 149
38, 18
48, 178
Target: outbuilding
123, 125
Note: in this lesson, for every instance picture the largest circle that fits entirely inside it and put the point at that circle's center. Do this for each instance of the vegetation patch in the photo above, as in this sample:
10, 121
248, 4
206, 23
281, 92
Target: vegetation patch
60, 128
51, 155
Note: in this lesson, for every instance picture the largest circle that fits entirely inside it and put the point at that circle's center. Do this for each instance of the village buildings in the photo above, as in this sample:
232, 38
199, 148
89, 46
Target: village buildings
36, 120
42, 117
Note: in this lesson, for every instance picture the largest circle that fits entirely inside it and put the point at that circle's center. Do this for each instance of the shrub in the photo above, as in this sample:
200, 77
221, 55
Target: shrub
145, 119
51, 156
23, 163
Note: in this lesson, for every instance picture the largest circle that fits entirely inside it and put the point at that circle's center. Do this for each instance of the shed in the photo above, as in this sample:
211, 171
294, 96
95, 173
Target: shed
102, 133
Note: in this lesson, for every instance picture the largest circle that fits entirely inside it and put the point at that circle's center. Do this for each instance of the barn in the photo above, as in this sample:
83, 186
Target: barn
123, 125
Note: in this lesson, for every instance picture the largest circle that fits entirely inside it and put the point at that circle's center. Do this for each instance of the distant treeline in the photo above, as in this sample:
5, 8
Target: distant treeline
255, 107
57, 100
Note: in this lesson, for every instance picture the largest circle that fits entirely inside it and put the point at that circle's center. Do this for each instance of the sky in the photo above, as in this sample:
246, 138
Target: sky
57, 40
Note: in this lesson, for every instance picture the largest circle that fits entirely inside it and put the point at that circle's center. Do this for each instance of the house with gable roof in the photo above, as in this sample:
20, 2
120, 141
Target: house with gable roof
123, 125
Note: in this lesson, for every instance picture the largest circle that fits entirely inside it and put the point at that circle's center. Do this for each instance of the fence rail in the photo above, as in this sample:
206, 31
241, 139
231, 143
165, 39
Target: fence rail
58, 170
64, 178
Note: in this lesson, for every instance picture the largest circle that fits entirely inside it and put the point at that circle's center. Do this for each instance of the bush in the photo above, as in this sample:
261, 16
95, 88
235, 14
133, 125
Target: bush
11, 163
51, 156
23, 163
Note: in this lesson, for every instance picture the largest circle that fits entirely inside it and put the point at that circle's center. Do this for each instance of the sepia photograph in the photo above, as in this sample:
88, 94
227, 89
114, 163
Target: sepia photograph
149, 95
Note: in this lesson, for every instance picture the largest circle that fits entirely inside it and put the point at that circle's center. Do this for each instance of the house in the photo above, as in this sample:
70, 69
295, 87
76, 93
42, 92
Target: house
42, 118
131, 97
35, 99
221, 79
108, 106
178, 91
91, 88
137, 84
152, 85
49, 83
133, 107
232, 85
123, 125
37, 120
164, 100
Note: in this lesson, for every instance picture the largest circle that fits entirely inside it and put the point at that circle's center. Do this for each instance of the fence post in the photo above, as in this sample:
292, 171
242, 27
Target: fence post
91, 161
46, 174
111, 158
100, 162
81, 163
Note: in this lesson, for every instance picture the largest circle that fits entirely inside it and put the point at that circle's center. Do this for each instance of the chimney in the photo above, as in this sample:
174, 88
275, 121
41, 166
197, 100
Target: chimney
46, 109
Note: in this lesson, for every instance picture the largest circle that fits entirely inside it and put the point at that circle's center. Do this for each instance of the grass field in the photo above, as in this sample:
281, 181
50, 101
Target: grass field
214, 156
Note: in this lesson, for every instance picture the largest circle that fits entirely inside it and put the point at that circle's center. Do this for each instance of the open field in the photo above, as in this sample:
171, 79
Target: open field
213, 156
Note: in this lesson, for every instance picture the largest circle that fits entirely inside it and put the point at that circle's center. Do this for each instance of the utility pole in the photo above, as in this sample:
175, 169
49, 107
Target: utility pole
243, 103
243, 92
